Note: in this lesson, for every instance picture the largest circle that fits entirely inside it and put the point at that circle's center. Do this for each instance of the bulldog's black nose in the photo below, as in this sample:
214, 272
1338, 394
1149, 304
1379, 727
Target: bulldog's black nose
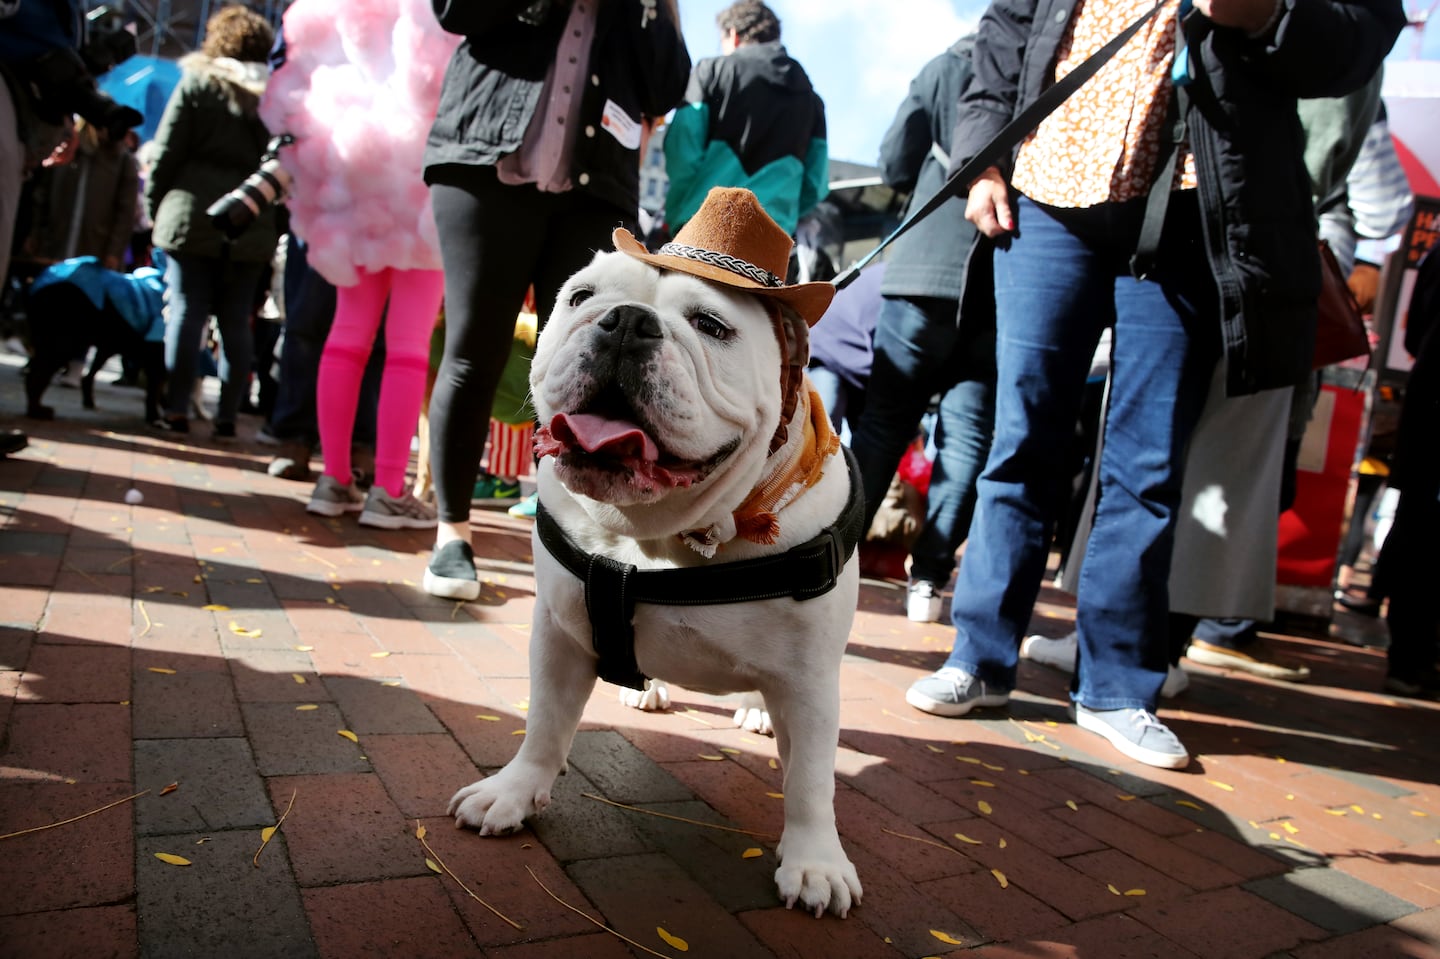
632, 327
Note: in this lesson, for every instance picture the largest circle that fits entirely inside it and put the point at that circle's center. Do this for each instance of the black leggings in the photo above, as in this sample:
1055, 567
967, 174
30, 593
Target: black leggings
495, 241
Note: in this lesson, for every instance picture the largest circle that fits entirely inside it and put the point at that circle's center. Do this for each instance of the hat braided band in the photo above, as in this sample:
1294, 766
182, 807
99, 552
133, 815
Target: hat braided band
723, 260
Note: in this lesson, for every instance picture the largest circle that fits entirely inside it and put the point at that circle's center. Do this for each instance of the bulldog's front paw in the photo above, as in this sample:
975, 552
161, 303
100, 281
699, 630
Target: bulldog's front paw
752, 716
653, 698
816, 874
500, 804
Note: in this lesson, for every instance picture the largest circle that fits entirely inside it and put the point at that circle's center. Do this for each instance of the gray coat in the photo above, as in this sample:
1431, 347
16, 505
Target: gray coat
929, 260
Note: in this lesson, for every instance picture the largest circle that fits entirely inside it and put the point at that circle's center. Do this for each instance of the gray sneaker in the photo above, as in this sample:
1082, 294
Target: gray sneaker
334, 498
952, 692
396, 512
1137, 734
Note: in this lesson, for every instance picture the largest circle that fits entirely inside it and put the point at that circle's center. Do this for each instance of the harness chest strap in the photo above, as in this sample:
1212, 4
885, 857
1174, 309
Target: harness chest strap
612, 589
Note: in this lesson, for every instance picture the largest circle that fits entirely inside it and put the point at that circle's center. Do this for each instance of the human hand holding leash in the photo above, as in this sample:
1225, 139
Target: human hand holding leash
988, 204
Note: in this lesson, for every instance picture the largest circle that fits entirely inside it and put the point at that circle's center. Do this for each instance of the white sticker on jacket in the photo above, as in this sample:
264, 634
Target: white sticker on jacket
620, 126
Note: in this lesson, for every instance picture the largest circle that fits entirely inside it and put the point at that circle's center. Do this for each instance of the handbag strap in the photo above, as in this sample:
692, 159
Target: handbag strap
1012, 133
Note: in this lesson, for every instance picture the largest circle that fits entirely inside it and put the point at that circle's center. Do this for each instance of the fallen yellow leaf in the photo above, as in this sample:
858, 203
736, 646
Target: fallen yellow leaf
154, 589
298, 678
984, 807
1071, 804
966, 839
1124, 798
487, 717
1000, 878
306, 708
711, 757
674, 942
969, 759
776, 795
1338, 812
348, 735
169, 789
162, 670
1113, 890
420, 831
1189, 804
773, 764
305, 649
946, 937
1219, 785
433, 865
1003, 844
239, 630
993, 769
380, 655
517, 732
214, 607
1134, 892
1358, 809
267, 833
1416, 812
982, 782
934, 749
172, 859
752, 853
729, 750
1289, 828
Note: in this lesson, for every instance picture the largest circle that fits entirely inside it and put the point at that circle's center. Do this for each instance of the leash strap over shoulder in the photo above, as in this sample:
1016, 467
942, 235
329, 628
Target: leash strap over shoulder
1004, 141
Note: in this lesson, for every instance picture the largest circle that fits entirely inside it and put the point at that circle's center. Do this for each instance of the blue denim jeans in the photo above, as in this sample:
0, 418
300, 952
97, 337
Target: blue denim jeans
196, 288
1062, 280
919, 352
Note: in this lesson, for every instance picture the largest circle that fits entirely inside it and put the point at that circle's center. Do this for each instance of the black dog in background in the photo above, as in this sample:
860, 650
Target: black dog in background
64, 323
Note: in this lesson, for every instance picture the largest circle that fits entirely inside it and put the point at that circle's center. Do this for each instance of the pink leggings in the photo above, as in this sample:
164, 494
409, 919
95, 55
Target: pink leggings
415, 297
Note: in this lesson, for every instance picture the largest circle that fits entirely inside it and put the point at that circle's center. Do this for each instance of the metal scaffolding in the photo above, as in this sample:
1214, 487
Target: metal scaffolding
173, 28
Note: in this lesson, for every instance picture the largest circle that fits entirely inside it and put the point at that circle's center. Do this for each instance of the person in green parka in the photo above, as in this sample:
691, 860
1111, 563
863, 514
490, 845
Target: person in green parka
210, 139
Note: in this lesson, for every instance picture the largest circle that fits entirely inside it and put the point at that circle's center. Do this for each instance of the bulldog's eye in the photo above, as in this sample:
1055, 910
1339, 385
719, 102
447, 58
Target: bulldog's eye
708, 324
579, 295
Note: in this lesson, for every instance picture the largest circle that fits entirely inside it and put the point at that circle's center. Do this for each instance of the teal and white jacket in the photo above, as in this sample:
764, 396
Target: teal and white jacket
751, 119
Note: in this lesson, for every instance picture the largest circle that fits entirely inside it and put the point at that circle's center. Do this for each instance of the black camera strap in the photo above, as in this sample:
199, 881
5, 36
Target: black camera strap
1003, 142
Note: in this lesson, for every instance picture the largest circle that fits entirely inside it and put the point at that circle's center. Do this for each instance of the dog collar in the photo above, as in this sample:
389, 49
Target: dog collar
612, 589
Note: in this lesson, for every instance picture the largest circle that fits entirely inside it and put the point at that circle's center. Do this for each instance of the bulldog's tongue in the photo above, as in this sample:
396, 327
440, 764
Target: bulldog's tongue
594, 434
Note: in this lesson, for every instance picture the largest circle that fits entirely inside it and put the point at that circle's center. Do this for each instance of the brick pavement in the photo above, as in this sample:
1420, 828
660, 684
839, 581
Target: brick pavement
218, 638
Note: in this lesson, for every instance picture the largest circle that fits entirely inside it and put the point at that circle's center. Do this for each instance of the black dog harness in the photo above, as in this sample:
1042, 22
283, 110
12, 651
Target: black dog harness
612, 589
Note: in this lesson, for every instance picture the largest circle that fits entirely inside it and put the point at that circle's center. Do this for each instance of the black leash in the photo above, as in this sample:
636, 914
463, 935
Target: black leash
1013, 132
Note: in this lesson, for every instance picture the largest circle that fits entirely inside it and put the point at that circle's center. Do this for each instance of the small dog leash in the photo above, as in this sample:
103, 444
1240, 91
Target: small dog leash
1012, 133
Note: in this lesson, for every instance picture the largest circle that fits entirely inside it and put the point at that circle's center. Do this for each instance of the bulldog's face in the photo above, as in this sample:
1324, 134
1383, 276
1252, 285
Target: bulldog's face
652, 385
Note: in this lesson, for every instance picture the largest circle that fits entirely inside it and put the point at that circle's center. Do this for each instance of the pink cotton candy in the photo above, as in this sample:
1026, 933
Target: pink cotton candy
358, 91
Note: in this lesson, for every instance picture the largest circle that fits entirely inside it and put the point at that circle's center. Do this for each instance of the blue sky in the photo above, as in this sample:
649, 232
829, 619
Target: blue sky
861, 54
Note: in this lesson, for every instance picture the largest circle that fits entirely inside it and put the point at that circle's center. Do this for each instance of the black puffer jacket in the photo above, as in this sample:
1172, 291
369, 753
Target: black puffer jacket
1248, 144
492, 86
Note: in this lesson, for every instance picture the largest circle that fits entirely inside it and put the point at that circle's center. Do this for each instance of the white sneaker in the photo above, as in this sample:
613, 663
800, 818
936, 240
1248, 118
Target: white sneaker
1056, 653
1137, 733
922, 601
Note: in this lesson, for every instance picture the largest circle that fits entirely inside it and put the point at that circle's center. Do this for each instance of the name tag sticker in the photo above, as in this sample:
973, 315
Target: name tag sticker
620, 126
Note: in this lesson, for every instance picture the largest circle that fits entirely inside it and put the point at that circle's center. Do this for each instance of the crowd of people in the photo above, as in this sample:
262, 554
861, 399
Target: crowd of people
1126, 284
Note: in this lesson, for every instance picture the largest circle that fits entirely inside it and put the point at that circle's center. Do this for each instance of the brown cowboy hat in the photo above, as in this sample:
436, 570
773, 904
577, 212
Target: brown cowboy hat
732, 241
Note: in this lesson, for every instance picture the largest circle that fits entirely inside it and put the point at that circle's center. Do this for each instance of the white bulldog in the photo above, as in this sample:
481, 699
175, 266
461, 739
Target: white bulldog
679, 441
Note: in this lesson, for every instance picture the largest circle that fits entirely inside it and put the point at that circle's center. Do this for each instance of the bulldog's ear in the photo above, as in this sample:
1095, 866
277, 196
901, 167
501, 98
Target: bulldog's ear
793, 334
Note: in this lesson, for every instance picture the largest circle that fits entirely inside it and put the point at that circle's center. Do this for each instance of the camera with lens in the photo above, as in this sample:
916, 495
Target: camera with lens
234, 212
